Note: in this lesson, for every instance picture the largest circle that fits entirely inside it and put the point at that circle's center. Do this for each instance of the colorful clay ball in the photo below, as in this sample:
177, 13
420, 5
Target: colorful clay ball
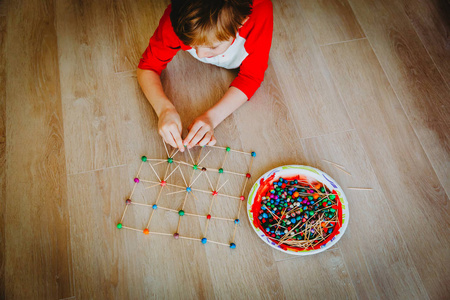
291, 210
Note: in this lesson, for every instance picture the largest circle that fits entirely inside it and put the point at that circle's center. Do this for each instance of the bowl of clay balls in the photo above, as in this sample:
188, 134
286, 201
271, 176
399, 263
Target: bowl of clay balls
298, 209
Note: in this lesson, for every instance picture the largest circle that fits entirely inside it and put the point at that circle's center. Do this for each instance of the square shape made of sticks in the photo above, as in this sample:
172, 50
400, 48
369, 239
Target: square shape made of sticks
165, 173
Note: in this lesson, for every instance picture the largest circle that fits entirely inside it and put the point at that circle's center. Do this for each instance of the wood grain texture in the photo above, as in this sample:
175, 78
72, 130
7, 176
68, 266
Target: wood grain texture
2, 152
331, 21
399, 162
127, 265
430, 20
373, 247
414, 77
37, 235
336, 284
134, 24
305, 82
92, 109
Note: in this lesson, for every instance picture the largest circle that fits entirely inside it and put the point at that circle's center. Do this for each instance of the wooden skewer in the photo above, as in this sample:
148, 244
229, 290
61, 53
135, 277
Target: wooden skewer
123, 215
167, 170
132, 191
192, 159
333, 163
149, 187
224, 148
161, 162
222, 185
140, 168
219, 243
200, 174
156, 202
169, 209
182, 163
339, 168
177, 192
204, 158
181, 172
188, 238
126, 227
360, 189
157, 159
172, 154
209, 181
141, 204
154, 171
166, 178
165, 147
175, 153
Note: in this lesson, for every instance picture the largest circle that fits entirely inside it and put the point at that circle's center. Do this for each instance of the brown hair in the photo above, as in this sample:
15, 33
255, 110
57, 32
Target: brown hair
202, 22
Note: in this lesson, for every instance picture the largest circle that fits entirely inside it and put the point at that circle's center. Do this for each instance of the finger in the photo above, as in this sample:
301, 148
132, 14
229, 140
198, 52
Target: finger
198, 136
192, 131
168, 139
206, 139
212, 142
177, 138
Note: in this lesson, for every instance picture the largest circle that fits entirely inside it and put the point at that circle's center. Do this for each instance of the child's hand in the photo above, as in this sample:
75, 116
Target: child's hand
201, 132
169, 127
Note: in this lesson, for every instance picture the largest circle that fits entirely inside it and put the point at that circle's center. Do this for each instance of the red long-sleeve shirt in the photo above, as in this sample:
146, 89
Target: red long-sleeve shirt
250, 49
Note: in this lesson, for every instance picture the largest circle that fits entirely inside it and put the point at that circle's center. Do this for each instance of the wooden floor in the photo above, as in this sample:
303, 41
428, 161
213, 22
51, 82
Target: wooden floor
363, 83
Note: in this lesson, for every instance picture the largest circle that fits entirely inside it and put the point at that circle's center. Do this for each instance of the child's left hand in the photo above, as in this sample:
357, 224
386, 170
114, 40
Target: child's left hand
201, 132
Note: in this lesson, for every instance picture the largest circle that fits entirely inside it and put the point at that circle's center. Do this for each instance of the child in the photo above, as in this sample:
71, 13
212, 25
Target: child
226, 33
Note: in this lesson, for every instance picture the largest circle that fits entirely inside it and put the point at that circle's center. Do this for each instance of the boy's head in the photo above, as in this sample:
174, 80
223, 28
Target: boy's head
208, 23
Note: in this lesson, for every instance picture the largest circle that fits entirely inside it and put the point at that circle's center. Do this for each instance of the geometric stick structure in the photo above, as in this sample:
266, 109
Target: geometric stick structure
186, 185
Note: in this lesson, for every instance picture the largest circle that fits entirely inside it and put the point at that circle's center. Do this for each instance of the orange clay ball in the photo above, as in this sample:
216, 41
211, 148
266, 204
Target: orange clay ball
146, 231
317, 186
315, 196
295, 194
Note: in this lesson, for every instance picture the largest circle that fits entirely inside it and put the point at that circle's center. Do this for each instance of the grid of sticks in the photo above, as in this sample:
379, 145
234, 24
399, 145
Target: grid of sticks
187, 186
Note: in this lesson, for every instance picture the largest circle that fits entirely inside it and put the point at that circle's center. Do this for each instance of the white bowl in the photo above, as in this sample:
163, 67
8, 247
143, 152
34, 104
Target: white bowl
310, 173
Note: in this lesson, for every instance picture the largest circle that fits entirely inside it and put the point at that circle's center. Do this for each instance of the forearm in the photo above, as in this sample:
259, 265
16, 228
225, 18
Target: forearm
231, 101
150, 83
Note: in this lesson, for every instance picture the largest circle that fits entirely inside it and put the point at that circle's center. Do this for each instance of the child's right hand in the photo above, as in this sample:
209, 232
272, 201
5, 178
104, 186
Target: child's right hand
169, 127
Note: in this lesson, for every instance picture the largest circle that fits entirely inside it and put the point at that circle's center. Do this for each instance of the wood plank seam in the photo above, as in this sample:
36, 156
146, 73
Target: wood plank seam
425, 47
348, 272
327, 134
413, 268
329, 71
406, 114
96, 170
342, 42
